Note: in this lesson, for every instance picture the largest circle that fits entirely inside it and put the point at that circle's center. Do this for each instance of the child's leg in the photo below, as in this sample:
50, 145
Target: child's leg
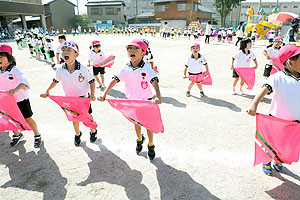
241, 84
200, 87
235, 82
150, 136
92, 130
76, 127
97, 79
138, 131
33, 125
102, 78
191, 85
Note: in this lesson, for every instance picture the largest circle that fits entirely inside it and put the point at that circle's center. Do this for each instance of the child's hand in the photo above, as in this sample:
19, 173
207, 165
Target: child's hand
101, 98
92, 97
184, 77
158, 100
13, 91
255, 66
252, 110
232, 67
88, 65
45, 95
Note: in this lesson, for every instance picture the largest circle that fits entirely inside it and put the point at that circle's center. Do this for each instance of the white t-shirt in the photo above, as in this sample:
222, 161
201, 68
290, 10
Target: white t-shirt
29, 40
10, 79
49, 46
285, 103
75, 83
243, 60
138, 81
195, 66
272, 52
208, 29
96, 58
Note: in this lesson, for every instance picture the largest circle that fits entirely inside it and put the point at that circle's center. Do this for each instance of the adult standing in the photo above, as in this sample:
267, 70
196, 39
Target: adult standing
208, 31
240, 32
291, 35
165, 30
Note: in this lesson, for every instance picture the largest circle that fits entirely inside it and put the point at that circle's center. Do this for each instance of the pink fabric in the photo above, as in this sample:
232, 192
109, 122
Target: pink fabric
277, 66
260, 156
108, 62
247, 74
80, 107
155, 70
145, 113
281, 135
11, 118
203, 78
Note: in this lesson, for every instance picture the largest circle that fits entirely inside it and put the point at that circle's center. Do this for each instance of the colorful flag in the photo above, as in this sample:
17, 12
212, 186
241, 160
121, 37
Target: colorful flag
247, 74
276, 139
108, 62
76, 109
144, 113
203, 78
11, 118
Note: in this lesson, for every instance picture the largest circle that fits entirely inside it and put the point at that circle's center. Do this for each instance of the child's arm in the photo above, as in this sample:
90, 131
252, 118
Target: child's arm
19, 87
152, 64
57, 58
185, 70
266, 54
255, 62
232, 64
53, 84
89, 63
253, 106
157, 92
111, 85
206, 67
92, 87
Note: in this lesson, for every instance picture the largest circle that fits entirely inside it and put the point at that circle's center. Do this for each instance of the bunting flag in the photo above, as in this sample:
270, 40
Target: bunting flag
203, 78
76, 109
277, 66
140, 112
247, 74
11, 118
108, 62
276, 139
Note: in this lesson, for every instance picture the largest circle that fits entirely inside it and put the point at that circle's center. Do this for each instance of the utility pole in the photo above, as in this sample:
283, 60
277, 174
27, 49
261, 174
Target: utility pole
259, 6
77, 7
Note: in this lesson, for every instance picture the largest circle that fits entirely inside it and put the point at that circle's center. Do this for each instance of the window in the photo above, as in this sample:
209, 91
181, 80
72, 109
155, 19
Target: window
273, 6
265, 6
295, 7
285, 6
111, 11
160, 8
96, 11
195, 7
118, 9
181, 6
245, 6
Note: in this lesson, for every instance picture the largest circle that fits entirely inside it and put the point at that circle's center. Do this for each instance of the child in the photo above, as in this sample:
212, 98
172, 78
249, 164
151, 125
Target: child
242, 59
50, 50
13, 81
253, 36
132, 74
29, 42
41, 45
76, 80
194, 66
229, 32
148, 58
61, 39
270, 53
285, 85
97, 56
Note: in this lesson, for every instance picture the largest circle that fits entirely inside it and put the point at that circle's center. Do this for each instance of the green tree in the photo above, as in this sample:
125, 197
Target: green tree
83, 20
224, 7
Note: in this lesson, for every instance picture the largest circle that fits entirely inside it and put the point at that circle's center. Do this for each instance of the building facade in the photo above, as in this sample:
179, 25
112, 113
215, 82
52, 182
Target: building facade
60, 14
107, 10
21, 8
181, 10
136, 7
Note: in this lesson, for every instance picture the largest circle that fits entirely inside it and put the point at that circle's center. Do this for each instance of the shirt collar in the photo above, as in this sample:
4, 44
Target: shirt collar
140, 65
244, 52
8, 69
199, 56
288, 73
77, 65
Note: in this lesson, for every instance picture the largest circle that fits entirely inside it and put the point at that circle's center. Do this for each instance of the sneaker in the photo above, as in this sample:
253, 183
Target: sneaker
139, 145
99, 86
277, 166
233, 92
267, 169
241, 92
202, 94
53, 65
77, 139
93, 136
151, 152
102, 87
37, 141
188, 93
15, 139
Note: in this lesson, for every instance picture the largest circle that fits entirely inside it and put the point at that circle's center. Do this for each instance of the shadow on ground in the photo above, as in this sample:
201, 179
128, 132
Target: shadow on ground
32, 171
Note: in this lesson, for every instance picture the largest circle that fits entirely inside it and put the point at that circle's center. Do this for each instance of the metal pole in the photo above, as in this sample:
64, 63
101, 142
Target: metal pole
77, 7
277, 4
259, 5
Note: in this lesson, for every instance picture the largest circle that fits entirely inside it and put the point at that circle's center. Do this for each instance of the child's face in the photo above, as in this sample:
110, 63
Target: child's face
61, 40
97, 47
295, 64
3, 61
135, 53
195, 49
277, 44
68, 54
249, 45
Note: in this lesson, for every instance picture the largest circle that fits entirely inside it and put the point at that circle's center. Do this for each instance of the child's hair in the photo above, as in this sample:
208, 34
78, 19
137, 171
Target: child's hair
9, 57
292, 58
49, 40
244, 43
62, 37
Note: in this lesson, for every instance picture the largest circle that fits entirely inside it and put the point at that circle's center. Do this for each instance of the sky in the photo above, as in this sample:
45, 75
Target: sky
81, 5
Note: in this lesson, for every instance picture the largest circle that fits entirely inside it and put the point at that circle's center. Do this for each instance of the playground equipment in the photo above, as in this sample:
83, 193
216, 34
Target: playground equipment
259, 23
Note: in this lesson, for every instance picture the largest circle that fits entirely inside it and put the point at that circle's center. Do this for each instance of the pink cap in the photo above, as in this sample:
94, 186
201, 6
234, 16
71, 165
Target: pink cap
285, 53
6, 48
138, 43
95, 42
195, 45
278, 38
70, 44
